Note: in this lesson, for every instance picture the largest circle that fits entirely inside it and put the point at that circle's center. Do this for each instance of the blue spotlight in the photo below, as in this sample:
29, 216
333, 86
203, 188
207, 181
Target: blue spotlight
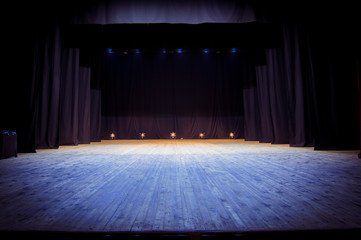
109, 50
206, 50
179, 50
164, 51
137, 51
234, 50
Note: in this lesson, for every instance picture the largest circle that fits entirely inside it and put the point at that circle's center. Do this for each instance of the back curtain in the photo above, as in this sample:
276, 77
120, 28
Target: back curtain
158, 93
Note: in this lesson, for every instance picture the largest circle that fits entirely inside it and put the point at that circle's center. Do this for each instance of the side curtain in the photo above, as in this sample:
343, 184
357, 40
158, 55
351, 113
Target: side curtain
84, 105
95, 102
69, 97
62, 93
275, 108
305, 92
46, 87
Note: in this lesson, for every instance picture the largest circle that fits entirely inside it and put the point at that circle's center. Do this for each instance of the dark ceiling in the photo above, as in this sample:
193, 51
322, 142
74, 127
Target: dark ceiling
206, 35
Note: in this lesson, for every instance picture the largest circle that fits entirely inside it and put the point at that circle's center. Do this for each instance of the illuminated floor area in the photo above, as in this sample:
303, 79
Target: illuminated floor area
180, 185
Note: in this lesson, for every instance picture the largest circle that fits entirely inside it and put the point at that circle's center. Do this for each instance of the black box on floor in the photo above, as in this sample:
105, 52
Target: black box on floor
8, 144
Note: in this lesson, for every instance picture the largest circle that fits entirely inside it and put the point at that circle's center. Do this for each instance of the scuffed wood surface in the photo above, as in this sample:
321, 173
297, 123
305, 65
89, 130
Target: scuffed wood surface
180, 185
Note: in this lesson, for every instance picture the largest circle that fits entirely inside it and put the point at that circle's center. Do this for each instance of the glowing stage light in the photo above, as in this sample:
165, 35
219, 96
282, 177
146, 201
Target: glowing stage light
109, 50
179, 50
164, 51
231, 135
201, 135
142, 135
112, 136
172, 135
137, 51
206, 50
234, 50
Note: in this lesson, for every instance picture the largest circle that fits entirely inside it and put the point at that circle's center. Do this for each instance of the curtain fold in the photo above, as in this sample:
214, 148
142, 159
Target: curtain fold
84, 116
47, 70
295, 78
69, 97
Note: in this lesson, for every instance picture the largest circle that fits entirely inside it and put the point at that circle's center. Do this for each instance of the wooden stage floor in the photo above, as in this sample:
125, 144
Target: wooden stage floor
180, 186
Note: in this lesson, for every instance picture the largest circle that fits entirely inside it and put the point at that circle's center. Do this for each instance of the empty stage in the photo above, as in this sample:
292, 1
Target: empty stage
180, 186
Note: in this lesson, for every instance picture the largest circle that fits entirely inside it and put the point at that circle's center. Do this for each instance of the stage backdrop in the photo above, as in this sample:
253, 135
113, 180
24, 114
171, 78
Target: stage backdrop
188, 92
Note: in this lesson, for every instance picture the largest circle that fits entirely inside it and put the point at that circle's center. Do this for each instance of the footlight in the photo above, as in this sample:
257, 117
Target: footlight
231, 135
201, 135
172, 135
112, 136
142, 135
